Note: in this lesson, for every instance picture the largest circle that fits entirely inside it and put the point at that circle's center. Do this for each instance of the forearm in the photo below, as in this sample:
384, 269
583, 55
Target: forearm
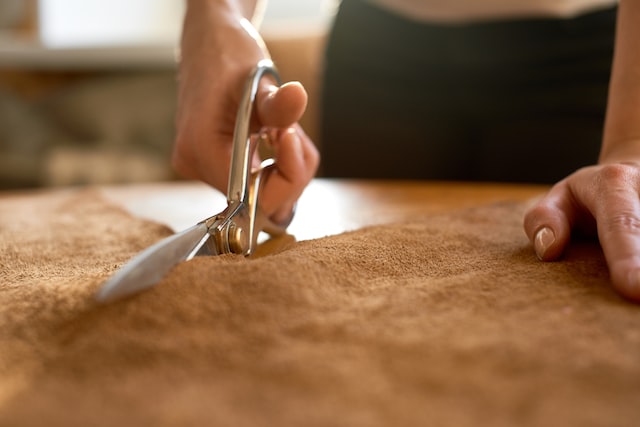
621, 141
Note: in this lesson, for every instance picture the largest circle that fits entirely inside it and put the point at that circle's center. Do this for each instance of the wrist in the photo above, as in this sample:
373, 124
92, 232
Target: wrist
627, 150
215, 26
236, 9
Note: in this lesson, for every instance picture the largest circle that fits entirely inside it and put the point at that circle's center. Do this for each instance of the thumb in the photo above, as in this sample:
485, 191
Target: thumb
280, 107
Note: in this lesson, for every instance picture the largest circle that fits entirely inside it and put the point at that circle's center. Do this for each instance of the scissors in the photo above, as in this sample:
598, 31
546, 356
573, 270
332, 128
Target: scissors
235, 230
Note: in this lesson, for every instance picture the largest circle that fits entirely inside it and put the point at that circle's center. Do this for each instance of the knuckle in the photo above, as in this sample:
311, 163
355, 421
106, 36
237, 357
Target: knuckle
313, 159
539, 210
180, 160
537, 214
625, 222
618, 173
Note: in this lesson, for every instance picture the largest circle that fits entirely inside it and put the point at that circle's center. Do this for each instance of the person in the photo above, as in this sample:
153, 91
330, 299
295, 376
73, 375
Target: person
472, 98
595, 165
219, 47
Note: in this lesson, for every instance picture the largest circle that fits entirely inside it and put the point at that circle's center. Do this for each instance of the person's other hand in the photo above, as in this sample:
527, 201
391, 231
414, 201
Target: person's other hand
602, 199
218, 49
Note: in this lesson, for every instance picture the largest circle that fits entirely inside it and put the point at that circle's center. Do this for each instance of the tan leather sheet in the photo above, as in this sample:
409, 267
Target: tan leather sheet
445, 320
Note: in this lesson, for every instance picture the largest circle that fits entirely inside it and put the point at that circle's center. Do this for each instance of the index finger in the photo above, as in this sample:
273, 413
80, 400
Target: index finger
614, 203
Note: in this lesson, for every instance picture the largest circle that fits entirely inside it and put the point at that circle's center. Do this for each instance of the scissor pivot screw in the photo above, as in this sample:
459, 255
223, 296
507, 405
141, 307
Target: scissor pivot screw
238, 241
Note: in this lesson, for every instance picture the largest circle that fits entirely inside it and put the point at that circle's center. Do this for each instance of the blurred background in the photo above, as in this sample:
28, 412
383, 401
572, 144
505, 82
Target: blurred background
88, 88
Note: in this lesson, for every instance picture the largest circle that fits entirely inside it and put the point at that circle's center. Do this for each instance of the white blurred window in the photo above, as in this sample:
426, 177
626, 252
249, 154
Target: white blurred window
78, 23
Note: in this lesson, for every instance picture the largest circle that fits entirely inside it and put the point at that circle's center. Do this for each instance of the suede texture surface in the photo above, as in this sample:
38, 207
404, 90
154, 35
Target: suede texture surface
440, 320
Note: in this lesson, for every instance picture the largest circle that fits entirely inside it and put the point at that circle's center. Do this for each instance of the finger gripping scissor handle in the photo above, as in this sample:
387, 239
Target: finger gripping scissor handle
238, 232
240, 172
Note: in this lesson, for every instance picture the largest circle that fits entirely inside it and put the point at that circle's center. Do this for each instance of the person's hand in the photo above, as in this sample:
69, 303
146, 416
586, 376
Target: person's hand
602, 199
218, 49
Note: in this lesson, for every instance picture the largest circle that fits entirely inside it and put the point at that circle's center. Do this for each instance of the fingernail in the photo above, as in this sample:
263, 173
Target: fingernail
543, 240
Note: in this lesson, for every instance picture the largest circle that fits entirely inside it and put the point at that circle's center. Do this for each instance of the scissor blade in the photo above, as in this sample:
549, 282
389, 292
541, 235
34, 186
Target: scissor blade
148, 267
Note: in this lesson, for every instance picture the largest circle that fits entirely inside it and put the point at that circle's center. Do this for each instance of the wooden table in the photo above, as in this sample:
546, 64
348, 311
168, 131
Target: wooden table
326, 207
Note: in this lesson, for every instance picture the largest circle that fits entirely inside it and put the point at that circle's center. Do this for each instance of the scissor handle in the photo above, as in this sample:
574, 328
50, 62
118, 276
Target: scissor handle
240, 172
259, 221
237, 229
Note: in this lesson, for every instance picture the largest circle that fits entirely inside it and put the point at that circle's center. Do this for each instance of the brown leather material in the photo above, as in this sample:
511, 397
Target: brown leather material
445, 319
